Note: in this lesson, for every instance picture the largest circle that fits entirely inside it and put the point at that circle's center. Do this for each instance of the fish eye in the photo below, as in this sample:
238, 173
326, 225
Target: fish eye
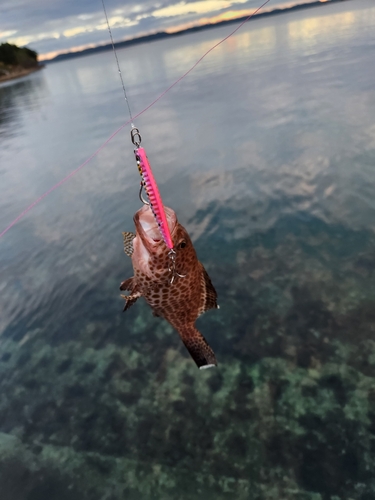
182, 244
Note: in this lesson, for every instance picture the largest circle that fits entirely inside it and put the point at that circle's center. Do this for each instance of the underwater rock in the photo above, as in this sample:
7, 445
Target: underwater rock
289, 414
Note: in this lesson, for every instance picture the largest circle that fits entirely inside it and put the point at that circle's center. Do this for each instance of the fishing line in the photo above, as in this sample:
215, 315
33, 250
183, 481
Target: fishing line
118, 64
69, 176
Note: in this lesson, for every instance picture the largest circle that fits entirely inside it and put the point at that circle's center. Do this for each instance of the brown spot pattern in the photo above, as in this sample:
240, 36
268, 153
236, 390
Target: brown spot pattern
181, 302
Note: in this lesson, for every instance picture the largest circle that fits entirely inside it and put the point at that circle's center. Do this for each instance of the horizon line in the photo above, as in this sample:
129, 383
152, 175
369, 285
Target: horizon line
89, 48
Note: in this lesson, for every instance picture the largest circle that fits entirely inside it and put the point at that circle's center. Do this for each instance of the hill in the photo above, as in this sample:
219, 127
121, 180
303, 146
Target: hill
16, 61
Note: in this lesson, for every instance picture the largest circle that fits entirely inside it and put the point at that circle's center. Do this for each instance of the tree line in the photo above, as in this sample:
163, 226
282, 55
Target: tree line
11, 55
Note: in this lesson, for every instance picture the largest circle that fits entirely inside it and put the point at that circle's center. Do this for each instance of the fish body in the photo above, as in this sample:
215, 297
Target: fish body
179, 292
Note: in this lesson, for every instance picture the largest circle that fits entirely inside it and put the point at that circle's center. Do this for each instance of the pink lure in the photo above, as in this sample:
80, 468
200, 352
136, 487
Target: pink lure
152, 190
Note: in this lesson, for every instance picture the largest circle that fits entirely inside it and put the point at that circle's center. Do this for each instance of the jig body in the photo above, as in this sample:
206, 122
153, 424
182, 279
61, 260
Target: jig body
148, 183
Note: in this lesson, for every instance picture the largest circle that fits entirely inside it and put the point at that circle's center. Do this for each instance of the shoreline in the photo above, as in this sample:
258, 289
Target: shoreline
162, 34
20, 73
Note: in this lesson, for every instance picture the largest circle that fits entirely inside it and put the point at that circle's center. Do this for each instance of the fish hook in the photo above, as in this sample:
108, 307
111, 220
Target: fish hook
172, 267
145, 202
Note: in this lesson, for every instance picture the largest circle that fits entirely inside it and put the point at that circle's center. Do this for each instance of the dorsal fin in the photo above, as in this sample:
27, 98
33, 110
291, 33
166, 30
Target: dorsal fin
209, 295
128, 243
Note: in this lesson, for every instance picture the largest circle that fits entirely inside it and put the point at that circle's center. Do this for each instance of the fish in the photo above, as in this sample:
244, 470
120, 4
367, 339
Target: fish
173, 282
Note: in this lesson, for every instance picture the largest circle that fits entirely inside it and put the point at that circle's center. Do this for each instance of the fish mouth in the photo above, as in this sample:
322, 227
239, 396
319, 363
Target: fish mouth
147, 227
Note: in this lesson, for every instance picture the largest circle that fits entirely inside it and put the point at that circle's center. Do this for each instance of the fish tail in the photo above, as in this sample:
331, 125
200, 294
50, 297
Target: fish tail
198, 347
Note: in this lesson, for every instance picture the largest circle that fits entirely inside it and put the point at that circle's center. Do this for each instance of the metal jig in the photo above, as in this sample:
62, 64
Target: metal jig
148, 184
151, 188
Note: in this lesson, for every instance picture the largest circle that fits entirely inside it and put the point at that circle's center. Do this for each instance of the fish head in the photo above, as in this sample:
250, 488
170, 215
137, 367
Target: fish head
150, 250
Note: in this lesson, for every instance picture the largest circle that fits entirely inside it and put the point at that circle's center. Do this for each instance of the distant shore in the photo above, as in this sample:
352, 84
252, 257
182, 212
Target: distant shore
162, 34
19, 72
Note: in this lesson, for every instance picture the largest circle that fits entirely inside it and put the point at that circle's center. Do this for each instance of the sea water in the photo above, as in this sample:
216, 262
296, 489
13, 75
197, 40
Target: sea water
266, 152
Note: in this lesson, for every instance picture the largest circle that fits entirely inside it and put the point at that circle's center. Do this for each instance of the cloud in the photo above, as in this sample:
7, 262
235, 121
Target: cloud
182, 8
55, 26
4, 35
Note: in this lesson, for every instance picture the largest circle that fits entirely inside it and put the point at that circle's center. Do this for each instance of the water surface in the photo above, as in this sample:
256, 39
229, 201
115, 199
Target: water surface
266, 153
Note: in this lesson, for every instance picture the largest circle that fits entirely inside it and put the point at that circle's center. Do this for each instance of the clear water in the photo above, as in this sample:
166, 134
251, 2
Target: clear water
266, 152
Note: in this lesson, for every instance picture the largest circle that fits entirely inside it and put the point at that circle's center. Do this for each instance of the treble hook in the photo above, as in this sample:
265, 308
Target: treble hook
172, 267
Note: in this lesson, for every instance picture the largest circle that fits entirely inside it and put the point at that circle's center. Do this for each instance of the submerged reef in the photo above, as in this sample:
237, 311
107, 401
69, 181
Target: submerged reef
118, 409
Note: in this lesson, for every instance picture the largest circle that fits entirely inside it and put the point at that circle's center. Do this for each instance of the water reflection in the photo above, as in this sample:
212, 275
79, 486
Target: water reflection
313, 31
15, 96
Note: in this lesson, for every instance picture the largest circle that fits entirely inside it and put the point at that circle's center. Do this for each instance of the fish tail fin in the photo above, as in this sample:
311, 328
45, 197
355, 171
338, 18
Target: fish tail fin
198, 347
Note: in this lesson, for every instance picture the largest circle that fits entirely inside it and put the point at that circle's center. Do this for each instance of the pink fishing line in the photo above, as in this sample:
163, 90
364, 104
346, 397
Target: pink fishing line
60, 183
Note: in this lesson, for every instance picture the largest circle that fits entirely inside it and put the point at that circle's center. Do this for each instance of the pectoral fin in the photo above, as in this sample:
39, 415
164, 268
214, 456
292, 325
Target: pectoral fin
132, 286
128, 243
128, 284
198, 347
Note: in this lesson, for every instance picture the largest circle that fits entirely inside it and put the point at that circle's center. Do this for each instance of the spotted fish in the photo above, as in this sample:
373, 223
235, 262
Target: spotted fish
181, 301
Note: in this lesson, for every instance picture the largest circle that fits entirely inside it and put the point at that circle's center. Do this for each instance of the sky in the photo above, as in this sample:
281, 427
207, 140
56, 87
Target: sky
52, 27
